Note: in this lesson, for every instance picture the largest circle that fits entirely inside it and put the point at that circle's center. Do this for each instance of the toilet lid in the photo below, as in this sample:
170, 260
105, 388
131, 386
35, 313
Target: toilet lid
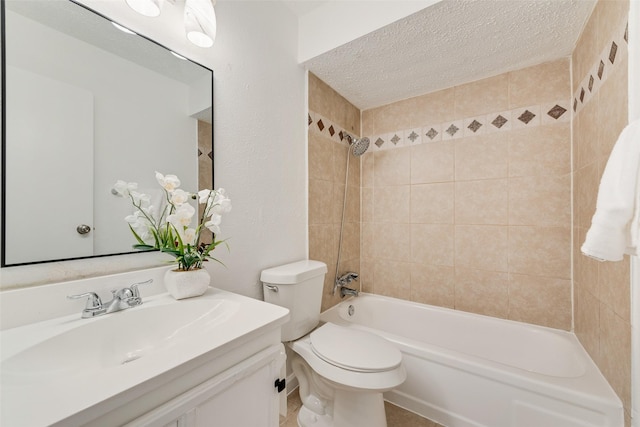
354, 350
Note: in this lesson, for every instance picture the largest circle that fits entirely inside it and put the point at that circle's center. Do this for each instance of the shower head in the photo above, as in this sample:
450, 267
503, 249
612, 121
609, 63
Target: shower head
357, 146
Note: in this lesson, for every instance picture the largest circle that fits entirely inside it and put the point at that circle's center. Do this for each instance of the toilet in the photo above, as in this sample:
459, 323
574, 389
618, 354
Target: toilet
342, 372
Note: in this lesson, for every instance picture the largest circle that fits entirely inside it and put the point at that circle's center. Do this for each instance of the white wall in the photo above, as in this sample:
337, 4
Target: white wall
339, 22
259, 142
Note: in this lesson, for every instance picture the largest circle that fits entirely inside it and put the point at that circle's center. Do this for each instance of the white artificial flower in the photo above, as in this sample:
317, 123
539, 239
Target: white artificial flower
182, 216
179, 197
189, 236
214, 223
140, 198
168, 182
221, 203
124, 188
203, 196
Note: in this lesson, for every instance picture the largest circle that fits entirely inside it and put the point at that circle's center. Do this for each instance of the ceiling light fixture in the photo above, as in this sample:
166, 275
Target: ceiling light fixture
199, 18
146, 7
200, 22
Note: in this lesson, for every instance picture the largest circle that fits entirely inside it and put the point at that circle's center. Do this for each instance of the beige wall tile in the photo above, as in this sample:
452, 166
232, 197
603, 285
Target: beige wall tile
586, 51
587, 321
337, 202
482, 202
339, 162
368, 170
392, 278
482, 292
543, 150
585, 135
432, 162
322, 244
367, 204
433, 284
610, 16
615, 292
320, 202
352, 212
391, 242
540, 300
615, 353
320, 157
481, 247
482, 157
540, 200
392, 167
432, 108
368, 123
326, 101
432, 203
612, 114
585, 268
541, 83
350, 241
585, 182
369, 245
432, 244
540, 251
391, 204
482, 96
366, 275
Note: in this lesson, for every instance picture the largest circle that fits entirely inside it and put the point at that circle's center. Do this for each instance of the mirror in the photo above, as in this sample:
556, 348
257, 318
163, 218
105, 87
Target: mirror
86, 104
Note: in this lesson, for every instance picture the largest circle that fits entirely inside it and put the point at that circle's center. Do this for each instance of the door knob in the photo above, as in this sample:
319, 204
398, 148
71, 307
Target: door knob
83, 229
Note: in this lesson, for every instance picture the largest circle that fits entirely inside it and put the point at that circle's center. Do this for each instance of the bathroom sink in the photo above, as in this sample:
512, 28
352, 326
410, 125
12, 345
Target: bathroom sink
83, 346
69, 370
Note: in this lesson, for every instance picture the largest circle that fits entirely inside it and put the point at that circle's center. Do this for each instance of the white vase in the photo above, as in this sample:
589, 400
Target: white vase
187, 284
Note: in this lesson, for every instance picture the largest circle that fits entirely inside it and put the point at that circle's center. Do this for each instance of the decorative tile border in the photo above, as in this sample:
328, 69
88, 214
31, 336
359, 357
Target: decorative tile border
503, 121
609, 58
325, 127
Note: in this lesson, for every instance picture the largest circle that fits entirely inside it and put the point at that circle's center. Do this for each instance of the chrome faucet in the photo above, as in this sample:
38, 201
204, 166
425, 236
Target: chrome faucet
122, 299
343, 281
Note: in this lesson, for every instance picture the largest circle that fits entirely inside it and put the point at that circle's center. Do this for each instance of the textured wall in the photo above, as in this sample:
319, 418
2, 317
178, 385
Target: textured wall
466, 198
602, 295
329, 116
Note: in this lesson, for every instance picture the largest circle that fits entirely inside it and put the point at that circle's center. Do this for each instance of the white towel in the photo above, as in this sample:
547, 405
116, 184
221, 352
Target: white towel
614, 227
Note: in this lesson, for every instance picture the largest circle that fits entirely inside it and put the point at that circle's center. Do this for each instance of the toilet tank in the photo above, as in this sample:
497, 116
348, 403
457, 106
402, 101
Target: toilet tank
298, 287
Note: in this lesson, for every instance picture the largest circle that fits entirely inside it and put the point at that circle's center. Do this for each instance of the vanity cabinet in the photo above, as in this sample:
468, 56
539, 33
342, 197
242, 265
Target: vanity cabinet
243, 395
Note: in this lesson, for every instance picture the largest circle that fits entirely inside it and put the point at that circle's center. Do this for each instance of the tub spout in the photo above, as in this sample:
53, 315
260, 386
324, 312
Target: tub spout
344, 291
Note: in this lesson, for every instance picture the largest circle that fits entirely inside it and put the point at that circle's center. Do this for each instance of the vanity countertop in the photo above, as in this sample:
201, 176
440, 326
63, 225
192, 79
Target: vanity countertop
70, 371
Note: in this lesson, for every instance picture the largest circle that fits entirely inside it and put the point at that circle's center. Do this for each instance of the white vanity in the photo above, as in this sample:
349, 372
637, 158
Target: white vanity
210, 360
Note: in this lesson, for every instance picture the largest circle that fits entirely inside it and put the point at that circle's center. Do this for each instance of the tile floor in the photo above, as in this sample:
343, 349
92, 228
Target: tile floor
396, 416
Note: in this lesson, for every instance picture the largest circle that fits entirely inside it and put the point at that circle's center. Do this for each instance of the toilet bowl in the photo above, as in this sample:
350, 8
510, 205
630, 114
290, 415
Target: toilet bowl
342, 372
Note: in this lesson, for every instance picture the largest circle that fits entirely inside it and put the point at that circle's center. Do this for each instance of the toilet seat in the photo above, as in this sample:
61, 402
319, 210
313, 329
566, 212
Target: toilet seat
354, 350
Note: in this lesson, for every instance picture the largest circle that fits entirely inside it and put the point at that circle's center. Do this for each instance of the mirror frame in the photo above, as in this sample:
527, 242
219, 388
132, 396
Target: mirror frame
3, 116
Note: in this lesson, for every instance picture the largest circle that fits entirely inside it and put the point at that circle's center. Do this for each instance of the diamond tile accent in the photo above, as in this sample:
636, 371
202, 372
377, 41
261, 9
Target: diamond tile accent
432, 133
591, 81
341, 135
474, 126
210, 155
451, 130
199, 152
413, 136
612, 52
309, 120
332, 131
600, 70
557, 111
395, 139
320, 125
575, 104
526, 117
582, 95
379, 142
499, 121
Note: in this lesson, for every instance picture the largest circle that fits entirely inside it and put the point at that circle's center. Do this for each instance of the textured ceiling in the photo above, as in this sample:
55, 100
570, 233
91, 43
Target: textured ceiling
450, 43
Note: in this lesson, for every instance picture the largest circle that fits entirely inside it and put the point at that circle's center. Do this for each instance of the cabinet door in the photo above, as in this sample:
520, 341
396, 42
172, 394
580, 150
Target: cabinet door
242, 396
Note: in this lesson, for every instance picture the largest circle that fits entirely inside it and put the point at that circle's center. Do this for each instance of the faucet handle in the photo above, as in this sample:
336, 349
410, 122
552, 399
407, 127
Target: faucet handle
134, 287
93, 302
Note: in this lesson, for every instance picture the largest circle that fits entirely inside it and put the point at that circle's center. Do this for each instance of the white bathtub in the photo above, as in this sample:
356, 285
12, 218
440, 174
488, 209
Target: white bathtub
467, 370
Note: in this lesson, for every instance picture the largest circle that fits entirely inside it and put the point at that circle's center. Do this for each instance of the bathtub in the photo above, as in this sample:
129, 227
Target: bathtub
468, 370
